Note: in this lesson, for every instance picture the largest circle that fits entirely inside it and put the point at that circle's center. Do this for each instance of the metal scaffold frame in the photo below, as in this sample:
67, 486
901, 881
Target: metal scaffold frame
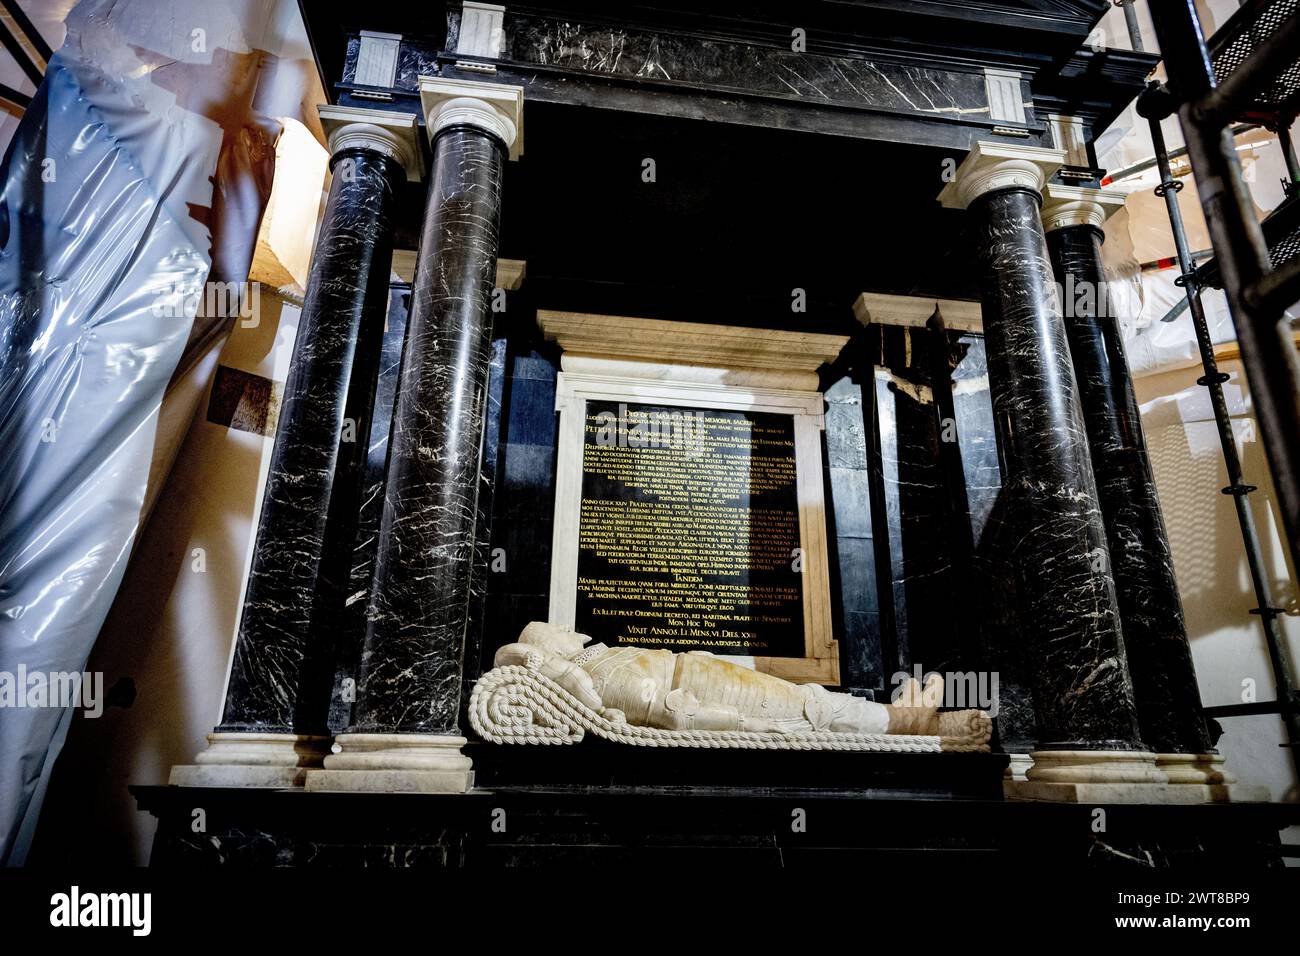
1258, 290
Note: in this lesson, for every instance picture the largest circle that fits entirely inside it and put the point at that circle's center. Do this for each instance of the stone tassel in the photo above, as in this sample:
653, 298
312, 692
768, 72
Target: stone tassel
1155, 637
410, 680
1083, 694
281, 673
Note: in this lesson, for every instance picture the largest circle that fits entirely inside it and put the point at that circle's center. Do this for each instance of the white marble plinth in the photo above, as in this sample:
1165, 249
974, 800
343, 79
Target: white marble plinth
1095, 766
1018, 767
1117, 776
394, 763
1194, 768
1100, 793
266, 761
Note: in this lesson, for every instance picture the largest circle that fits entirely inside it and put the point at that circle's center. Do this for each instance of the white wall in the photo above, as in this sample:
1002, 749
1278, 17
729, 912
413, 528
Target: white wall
1227, 641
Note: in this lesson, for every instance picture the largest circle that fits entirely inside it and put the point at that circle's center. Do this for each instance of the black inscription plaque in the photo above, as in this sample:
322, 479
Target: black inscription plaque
688, 536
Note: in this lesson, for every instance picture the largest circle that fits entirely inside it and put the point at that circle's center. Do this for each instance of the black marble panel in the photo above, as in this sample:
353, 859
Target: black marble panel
532, 410
972, 411
772, 70
1155, 635
877, 810
529, 473
846, 439
293, 606
525, 542
850, 499
989, 595
414, 60
927, 569
1083, 695
522, 526
854, 602
411, 668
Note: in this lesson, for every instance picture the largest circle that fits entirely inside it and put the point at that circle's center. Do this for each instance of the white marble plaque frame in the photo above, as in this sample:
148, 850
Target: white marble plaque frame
615, 378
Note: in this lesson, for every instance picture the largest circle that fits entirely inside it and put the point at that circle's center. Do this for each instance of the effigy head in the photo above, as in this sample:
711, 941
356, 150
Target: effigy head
563, 641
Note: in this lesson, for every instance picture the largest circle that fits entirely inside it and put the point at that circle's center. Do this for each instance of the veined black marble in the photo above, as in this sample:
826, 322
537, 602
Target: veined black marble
923, 528
875, 811
855, 608
410, 679
485, 564
1083, 695
992, 588
812, 75
1155, 635
366, 543
283, 662
946, 583
524, 502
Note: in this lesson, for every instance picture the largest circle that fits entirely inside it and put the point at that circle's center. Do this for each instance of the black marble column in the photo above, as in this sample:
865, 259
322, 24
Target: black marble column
281, 675
411, 665
1155, 637
1083, 696
484, 563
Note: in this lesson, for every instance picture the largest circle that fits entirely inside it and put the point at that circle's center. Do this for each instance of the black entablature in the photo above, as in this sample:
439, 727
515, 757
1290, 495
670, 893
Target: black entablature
761, 188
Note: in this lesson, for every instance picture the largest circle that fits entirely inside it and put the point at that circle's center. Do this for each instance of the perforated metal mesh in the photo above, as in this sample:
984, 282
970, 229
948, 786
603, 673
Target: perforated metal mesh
1249, 27
1281, 233
1287, 249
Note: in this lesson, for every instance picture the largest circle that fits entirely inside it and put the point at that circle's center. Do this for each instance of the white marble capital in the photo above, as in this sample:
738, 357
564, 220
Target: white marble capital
1065, 206
495, 108
381, 131
989, 167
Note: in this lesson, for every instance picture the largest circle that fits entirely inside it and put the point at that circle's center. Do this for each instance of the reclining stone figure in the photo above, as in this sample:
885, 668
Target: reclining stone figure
699, 691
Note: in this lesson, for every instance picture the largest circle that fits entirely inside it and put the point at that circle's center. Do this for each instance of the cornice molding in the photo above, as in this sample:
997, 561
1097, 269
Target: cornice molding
916, 310
629, 339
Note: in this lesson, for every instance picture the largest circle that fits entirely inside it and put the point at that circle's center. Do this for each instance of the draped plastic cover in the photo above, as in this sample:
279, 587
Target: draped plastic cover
100, 266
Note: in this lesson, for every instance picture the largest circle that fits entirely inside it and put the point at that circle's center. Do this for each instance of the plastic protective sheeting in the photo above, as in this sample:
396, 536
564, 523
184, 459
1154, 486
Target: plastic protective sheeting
100, 269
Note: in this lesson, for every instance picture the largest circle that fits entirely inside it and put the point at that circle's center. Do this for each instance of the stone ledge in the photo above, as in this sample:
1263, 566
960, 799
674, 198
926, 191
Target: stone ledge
1134, 793
581, 824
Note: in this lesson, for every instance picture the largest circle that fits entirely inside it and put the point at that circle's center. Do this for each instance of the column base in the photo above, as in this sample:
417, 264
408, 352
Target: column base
265, 761
1120, 776
1089, 776
1206, 777
394, 763
1018, 767
1194, 768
